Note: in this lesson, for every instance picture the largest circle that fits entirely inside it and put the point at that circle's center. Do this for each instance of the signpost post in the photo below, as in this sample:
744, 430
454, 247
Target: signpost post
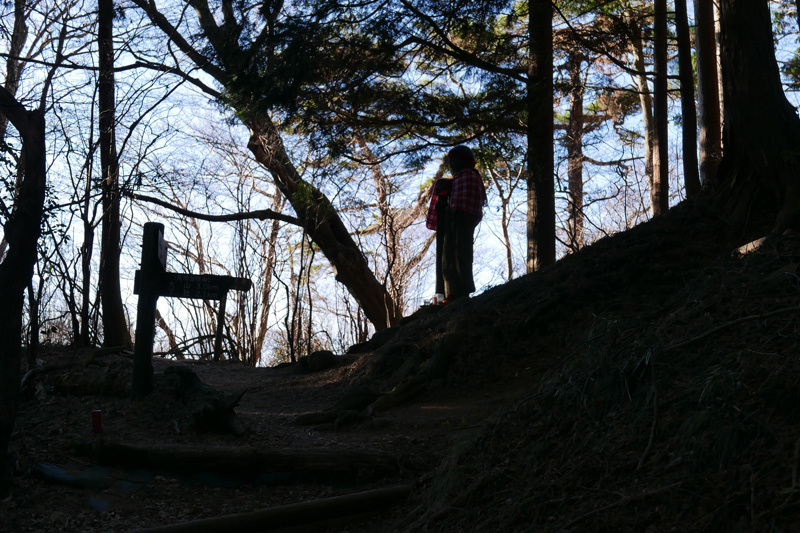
153, 281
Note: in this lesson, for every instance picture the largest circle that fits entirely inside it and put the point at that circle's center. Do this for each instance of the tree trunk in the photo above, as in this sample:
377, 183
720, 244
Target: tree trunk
541, 189
86, 268
13, 65
321, 221
710, 138
16, 270
574, 144
393, 277
659, 186
268, 268
115, 327
645, 97
691, 176
171, 341
33, 324
757, 181
13, 74
323, 225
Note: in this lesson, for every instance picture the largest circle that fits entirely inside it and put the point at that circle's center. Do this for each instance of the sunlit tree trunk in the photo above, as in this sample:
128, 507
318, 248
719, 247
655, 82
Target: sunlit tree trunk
575, 159
541, 187
659, 186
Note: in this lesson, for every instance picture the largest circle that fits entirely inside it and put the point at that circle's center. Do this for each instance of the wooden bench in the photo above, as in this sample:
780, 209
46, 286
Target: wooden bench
153, 281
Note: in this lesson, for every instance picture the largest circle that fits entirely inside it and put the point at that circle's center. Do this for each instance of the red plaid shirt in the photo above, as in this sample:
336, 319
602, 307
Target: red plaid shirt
468, 193
433, 217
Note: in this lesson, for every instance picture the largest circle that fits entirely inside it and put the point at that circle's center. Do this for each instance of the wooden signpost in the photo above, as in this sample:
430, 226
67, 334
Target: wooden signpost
152, 281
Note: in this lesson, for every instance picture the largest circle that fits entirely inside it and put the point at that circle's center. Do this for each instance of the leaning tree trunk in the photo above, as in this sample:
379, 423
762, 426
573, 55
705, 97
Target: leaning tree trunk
321, 221
323, 225
541, 187
758, 176
22, 233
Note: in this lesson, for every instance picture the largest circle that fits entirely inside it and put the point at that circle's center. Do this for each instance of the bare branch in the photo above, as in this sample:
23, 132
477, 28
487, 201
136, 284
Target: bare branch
158, 18
262, 214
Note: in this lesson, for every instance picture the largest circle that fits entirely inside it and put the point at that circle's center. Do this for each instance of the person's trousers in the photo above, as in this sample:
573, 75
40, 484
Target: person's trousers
441, 229
457, 254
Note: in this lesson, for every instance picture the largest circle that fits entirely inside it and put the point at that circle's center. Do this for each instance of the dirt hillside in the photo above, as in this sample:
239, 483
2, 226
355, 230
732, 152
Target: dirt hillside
647, 383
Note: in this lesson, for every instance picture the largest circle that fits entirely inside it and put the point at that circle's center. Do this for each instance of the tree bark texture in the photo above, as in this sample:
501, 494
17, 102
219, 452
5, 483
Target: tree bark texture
757, 180
541, 188
659, 186
323, 225
691, 175
574, 144
710, 135
22, 231
115, 326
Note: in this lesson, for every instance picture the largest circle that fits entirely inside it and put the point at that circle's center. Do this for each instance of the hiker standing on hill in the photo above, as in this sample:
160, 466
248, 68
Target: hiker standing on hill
457, 228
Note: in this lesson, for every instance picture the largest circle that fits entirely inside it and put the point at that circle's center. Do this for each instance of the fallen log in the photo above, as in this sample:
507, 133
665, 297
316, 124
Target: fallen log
297, 514
246, 462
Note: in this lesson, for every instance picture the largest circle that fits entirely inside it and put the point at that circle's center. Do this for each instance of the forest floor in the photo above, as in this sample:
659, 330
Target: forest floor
647, 383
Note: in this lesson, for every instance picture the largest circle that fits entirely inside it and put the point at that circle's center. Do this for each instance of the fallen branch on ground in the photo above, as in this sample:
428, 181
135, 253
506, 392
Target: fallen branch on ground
292, 515
244, 461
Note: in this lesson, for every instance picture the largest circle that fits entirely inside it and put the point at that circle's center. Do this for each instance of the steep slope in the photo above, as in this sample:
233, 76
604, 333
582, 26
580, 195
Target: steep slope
655, 388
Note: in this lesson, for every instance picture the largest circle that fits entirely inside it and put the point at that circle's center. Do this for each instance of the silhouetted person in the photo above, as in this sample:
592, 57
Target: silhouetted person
464, 212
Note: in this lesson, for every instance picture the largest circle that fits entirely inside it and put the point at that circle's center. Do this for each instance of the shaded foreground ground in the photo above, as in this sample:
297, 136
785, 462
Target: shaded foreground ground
648, 383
